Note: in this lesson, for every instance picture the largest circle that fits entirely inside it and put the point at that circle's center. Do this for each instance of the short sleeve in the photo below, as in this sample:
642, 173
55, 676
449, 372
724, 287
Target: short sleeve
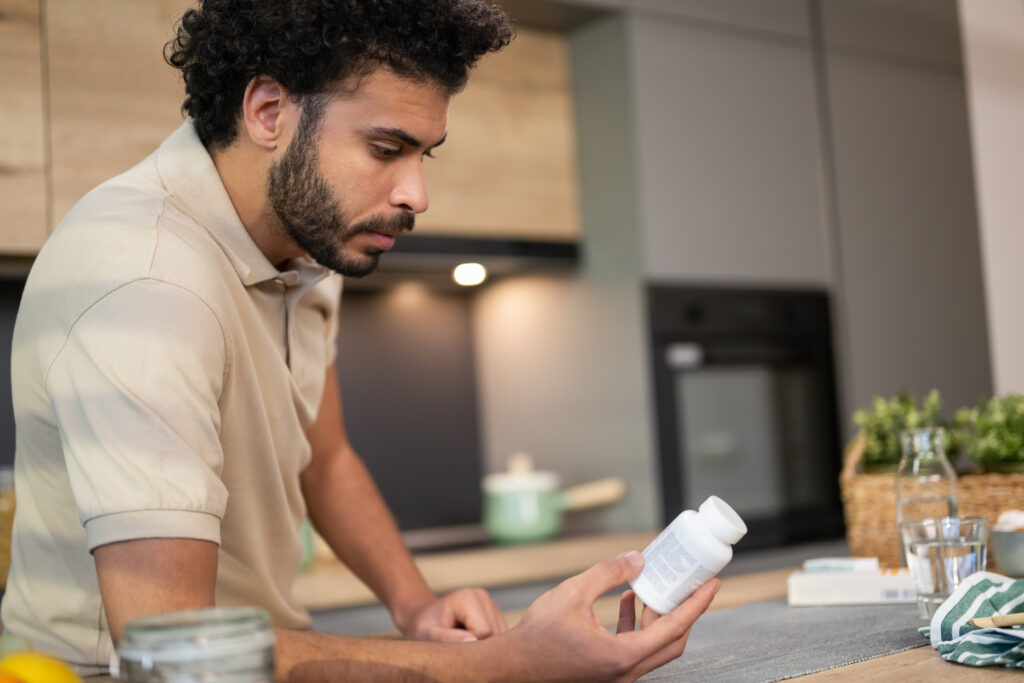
135, 392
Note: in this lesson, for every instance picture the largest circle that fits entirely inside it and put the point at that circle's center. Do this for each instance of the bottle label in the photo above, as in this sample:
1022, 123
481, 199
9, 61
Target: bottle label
673, 571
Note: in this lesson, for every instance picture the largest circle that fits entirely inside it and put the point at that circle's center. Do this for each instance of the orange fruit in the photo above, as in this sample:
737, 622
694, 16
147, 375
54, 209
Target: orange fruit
35, 667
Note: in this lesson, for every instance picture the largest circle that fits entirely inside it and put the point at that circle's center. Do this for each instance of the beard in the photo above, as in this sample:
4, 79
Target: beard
312, 216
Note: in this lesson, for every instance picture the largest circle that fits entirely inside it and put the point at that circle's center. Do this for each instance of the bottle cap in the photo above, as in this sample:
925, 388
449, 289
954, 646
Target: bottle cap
722, 520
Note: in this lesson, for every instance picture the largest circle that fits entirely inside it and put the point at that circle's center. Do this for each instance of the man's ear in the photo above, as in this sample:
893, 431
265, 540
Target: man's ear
266, 111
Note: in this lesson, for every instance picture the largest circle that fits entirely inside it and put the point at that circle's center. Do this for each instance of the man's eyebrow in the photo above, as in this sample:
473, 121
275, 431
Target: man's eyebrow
439, 142
402, 136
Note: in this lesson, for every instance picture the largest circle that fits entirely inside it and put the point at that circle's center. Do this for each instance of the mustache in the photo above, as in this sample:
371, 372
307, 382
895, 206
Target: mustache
403, 222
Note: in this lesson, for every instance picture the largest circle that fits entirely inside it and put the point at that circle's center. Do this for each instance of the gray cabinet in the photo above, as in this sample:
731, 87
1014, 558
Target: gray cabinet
728, 159
788, 17
911, 285
923, 30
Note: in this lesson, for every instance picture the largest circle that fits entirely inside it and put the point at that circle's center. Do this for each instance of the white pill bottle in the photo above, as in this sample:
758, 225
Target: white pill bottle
691, 550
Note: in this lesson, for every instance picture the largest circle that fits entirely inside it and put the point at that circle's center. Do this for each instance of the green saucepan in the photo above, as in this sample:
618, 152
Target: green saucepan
527, 506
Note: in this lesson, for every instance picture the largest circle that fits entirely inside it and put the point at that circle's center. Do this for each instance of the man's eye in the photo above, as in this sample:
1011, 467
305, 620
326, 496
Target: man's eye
429, 153
385, 152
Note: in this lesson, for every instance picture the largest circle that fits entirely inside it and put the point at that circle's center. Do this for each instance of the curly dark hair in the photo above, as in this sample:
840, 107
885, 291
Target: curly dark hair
308, 46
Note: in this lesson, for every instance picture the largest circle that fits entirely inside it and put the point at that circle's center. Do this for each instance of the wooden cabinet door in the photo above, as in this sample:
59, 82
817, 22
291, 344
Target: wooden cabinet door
113, 99
508, 167
22, 142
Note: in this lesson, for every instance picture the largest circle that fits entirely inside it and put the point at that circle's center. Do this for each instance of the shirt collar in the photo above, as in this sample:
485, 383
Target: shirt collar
187, 170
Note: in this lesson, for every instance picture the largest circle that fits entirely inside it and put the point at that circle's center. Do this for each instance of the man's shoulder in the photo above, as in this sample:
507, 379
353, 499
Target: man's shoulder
112, 224
129, 227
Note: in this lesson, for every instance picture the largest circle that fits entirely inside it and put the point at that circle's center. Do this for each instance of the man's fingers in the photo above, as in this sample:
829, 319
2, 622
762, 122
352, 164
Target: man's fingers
496, 618
606, 575
627, 613
674, 625
476, 609
663, 656
500, 625
663, 638
648, 617
478, 620
491, 624
450, 635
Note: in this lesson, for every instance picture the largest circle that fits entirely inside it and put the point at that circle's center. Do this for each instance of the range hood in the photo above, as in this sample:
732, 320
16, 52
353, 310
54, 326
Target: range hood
430, 259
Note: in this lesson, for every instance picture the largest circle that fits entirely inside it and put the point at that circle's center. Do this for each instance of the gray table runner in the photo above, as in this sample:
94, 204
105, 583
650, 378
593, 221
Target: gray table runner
770, 641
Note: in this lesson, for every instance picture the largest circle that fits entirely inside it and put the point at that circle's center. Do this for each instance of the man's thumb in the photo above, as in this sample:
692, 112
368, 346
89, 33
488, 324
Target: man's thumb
609, 573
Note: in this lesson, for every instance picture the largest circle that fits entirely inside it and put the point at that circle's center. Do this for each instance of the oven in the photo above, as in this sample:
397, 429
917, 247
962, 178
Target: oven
746, 407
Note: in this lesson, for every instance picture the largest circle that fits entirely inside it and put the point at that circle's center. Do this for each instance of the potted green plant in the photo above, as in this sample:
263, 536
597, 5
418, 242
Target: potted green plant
993, 432
881, 424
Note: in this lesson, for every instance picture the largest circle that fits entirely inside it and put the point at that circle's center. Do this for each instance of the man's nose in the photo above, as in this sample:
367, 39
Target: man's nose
410, 192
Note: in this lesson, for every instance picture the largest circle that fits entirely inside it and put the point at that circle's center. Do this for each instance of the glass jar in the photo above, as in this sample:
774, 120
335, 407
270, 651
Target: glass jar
218, 644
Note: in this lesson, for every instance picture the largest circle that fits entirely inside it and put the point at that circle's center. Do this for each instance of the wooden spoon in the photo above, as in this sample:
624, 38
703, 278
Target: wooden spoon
1015, 619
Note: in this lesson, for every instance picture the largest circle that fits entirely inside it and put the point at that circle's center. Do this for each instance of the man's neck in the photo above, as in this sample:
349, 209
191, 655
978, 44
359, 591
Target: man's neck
243, 170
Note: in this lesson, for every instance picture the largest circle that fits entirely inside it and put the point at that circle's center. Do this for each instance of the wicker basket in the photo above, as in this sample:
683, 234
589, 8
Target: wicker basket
869, 503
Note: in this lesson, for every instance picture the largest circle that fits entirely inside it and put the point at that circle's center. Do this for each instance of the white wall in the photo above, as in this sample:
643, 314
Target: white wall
993, 43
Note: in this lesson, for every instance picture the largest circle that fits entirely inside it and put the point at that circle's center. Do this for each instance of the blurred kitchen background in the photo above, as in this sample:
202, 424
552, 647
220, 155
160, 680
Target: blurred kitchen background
713, 229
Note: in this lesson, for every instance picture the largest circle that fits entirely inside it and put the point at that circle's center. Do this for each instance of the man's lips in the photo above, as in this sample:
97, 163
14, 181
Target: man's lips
382, 240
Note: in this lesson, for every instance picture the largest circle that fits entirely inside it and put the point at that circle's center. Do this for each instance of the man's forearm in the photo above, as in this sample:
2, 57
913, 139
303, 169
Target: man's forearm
306, 657
348, 510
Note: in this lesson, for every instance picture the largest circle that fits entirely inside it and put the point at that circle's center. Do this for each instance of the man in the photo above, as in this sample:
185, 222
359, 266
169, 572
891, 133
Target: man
175, 397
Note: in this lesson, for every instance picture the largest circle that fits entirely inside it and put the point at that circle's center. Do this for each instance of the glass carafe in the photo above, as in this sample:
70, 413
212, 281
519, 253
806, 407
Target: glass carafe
925, 481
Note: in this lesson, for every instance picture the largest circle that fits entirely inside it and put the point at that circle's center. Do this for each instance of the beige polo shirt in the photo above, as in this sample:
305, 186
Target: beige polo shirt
164, 374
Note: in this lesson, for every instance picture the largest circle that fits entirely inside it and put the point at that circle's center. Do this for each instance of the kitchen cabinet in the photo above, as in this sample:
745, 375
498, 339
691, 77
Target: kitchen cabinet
112, 97
787, 17
22, 143
922, 30
912, 296
726, 134
508, 167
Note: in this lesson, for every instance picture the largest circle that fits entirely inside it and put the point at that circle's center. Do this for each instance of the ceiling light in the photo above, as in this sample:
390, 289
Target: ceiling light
469, 274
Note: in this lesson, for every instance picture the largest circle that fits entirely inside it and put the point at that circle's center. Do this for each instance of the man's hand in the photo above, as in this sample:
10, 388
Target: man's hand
559, 640
349, 512
460, 617
563, 639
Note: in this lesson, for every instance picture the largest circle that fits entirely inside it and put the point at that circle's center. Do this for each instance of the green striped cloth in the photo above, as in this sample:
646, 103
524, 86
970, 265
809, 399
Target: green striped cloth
983, 594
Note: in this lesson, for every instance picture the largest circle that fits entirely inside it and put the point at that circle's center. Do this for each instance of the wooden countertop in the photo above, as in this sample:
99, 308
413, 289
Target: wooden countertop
329, 584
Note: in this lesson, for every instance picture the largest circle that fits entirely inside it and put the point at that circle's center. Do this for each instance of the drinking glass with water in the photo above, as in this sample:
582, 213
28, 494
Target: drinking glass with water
941, 553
